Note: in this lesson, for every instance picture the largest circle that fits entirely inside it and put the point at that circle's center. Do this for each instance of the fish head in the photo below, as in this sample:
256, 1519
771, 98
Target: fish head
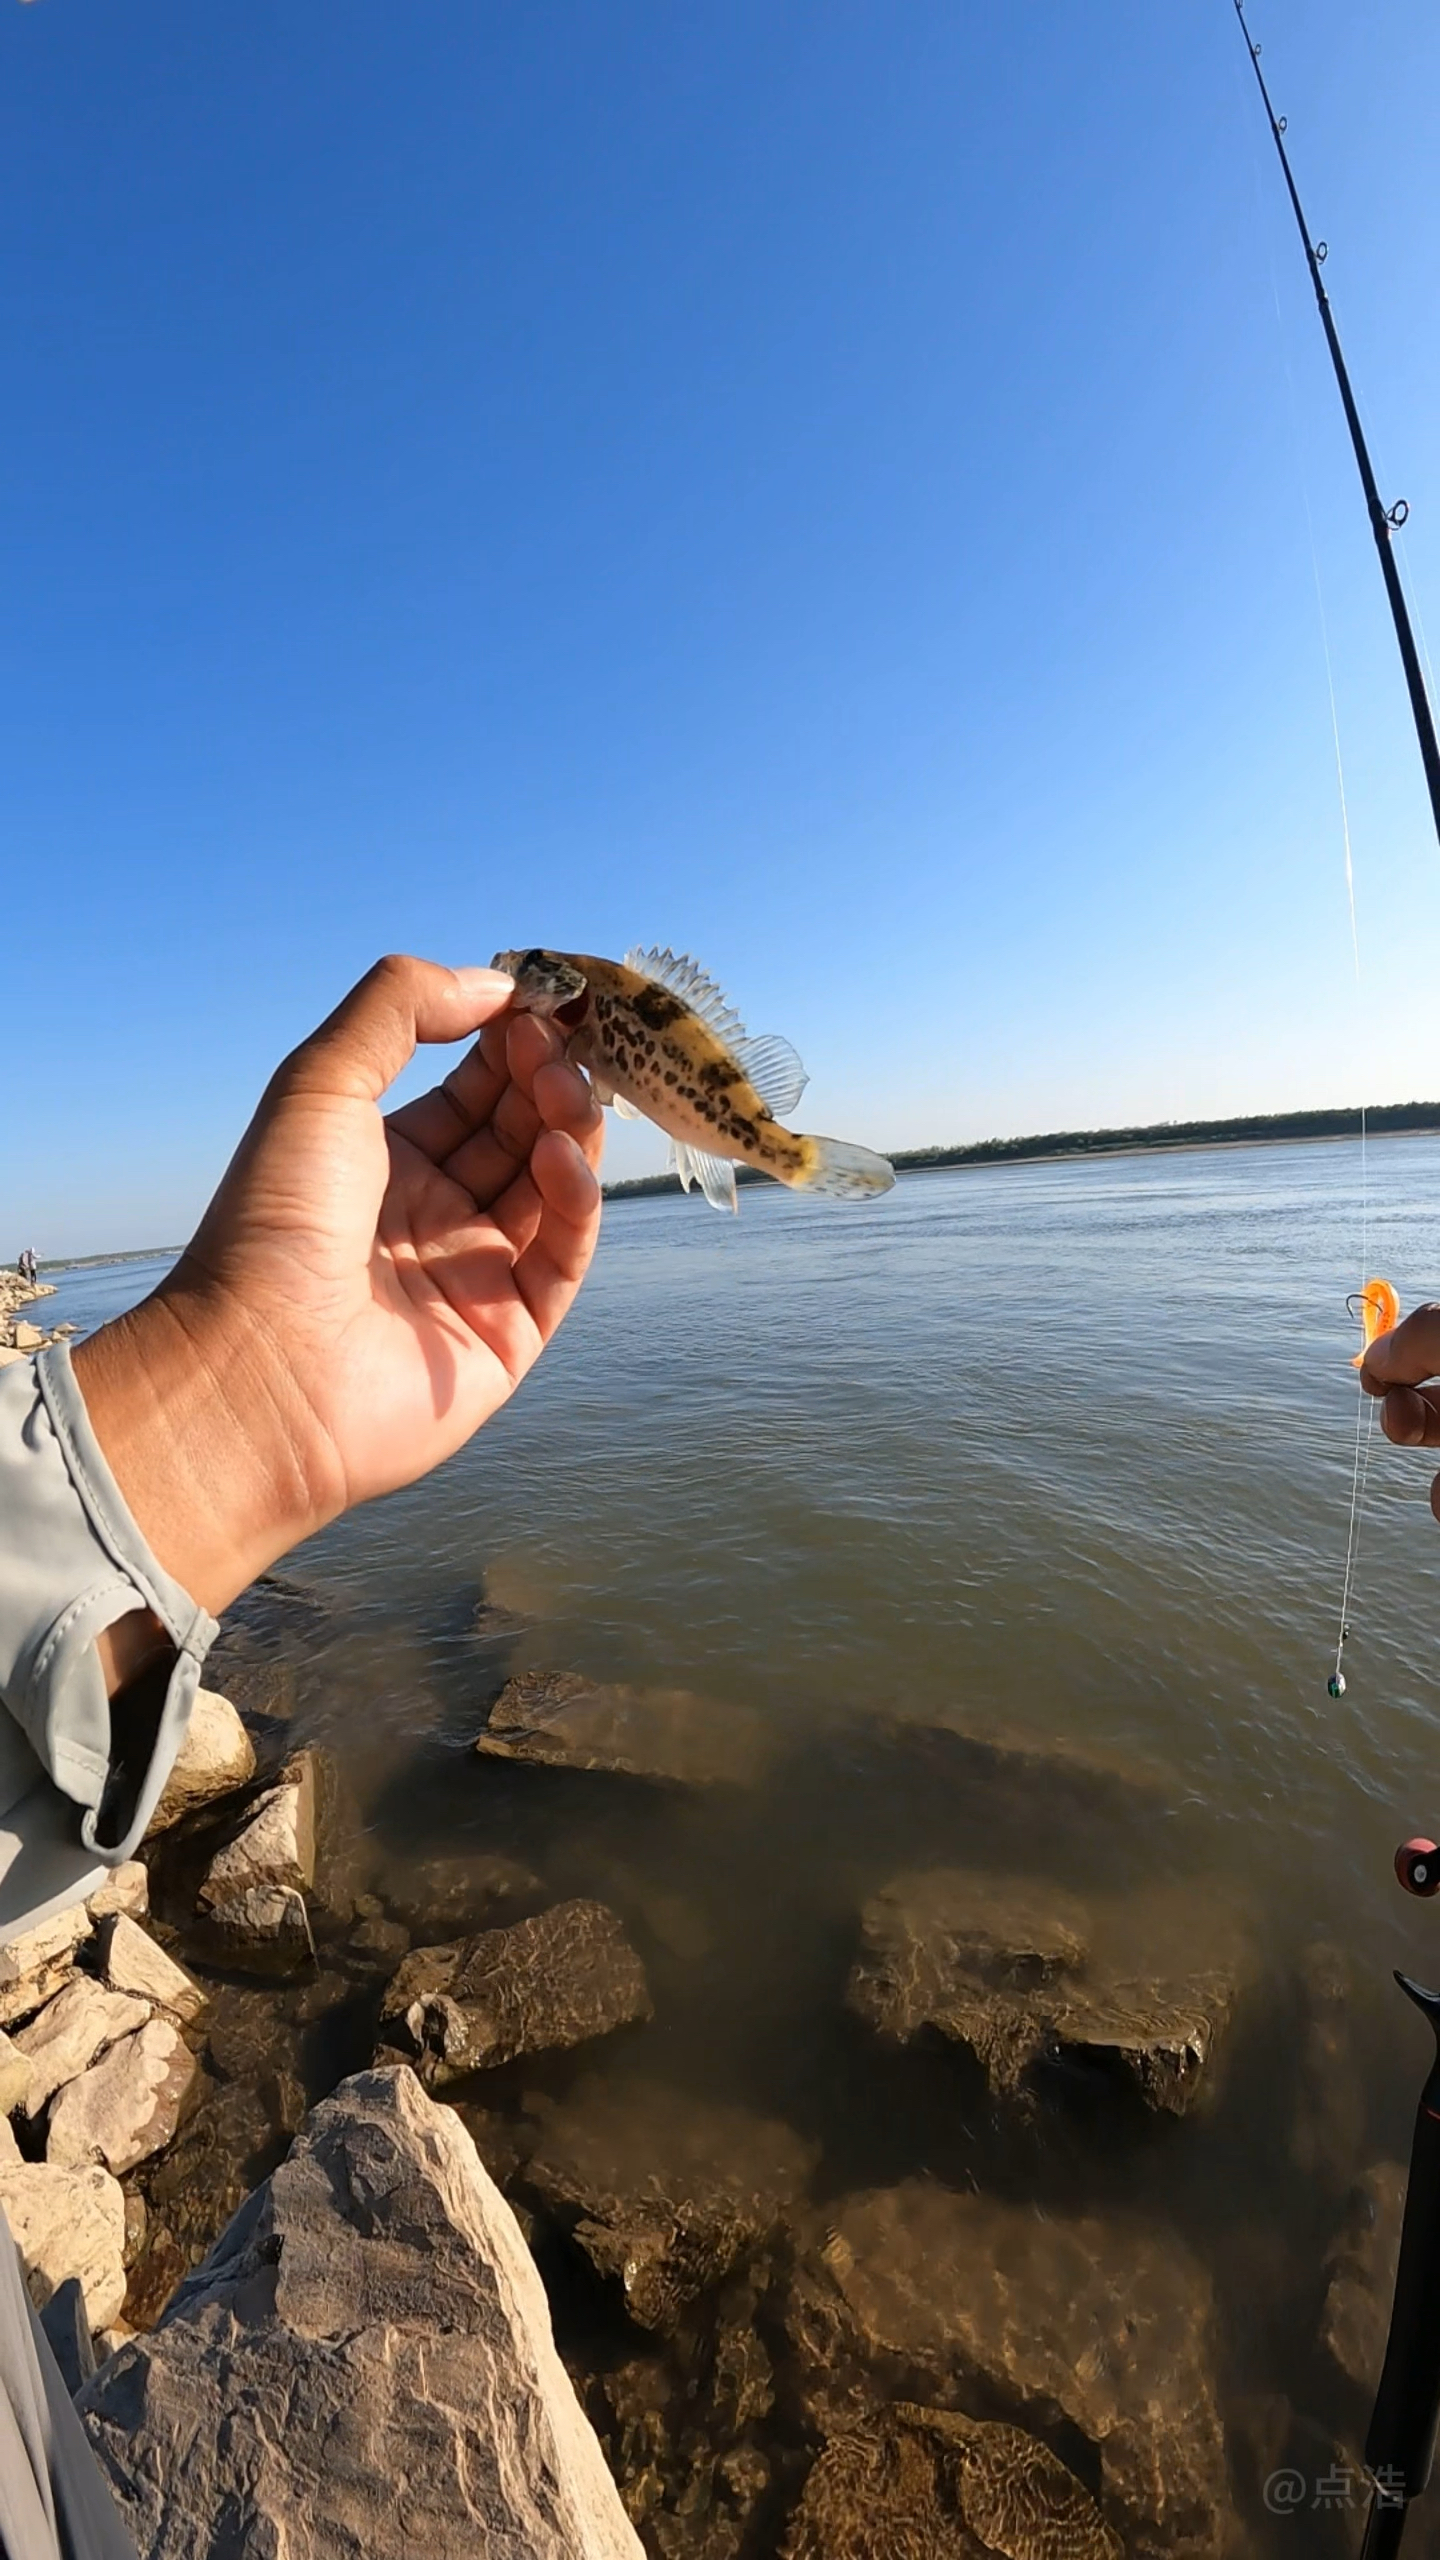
546, 983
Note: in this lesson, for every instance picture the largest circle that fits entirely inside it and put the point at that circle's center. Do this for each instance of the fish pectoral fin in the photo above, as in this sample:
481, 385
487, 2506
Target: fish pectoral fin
687, 980
774, 1070
603, 1092
626, 1110
716, 1177
680, 1163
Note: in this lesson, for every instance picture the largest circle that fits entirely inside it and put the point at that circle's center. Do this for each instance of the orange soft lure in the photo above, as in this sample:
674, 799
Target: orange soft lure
1379, 1311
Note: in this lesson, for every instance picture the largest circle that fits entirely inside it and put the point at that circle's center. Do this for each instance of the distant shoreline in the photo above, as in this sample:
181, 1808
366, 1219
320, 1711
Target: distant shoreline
1057, 1146
1158, 1137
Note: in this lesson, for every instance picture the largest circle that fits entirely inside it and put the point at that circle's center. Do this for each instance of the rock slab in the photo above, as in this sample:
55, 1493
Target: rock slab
77, 2025
557, 1720
363, 2363
127, 2106
133, 1963
254, 1890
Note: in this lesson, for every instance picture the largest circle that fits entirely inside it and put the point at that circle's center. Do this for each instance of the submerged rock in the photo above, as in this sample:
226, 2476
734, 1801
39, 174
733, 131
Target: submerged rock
1020, 1973
1014, 2493
957, 1744
558, 1979
363, 2363
664, 2193
68, 2222
1327, 2134
874, 2493
1360, 2270
126, 2106
557, 1720
919, 2293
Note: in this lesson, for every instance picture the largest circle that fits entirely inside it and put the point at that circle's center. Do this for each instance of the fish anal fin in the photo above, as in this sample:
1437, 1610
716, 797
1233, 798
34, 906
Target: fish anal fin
716, 1177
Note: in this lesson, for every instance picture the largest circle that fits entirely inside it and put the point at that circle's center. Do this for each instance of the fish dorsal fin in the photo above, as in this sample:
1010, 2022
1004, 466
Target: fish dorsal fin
687, 980
715, 1174
775, 1071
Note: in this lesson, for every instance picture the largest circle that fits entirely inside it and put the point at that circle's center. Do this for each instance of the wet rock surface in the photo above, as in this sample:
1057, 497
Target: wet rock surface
666, 2195
365, 2364
877, 2492
1105, 2328
559, 1979
558, 1720
1360, 2279
1021, 1972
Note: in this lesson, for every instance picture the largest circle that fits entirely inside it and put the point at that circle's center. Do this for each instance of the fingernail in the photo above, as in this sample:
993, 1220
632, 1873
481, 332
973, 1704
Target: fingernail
480, 984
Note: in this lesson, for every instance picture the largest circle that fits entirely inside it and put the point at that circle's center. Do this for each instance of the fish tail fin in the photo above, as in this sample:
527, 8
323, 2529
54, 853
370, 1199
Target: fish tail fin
839, 1171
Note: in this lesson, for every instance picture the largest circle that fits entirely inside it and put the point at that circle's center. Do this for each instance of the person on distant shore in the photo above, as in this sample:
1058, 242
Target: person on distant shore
360, 1296
27, 1266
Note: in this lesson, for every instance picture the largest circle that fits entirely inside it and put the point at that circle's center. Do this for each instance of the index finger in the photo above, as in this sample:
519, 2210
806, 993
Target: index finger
1406, 1357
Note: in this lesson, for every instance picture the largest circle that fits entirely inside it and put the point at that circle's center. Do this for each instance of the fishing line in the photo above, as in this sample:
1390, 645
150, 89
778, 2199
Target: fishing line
1364, 1404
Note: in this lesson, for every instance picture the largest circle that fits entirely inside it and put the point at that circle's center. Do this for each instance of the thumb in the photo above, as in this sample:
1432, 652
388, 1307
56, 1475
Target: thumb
361, 1047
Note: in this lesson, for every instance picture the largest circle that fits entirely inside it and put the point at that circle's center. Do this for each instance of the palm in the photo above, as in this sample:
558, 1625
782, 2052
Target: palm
412, 1270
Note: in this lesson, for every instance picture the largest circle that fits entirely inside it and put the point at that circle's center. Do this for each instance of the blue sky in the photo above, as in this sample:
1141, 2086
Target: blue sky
820, 485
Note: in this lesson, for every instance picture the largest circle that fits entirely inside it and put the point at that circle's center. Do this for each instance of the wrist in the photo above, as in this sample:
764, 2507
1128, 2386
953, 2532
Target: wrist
207, 1437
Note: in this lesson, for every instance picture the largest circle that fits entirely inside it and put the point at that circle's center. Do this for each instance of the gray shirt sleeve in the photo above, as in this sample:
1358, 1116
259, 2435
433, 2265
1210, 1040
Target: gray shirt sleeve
74, 1797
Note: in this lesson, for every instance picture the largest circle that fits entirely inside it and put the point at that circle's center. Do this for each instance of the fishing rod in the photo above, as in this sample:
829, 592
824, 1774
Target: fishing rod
1385, 522
1400, 2444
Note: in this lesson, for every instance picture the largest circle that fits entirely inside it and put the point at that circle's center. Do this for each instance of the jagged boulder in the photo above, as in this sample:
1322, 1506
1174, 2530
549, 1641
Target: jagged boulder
79, 2023
363, 2363
126, 2106
252, 1902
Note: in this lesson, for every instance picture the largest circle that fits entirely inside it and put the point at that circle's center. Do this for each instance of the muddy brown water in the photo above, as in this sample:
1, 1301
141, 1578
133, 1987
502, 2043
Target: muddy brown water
1066, 1447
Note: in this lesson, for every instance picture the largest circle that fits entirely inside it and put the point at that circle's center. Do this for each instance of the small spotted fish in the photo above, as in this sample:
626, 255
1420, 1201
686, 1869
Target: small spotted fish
658, 1040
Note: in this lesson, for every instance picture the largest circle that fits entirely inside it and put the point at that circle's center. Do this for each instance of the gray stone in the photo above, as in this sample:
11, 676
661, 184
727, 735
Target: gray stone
542, 1984
254, 1891
916, 2293
126, 1888
1360, 2268
126, 2107
557, 1720
215, 1758
131, 1961
363, 2364
664, 2193
68, 2222
77, 2025
34, 1967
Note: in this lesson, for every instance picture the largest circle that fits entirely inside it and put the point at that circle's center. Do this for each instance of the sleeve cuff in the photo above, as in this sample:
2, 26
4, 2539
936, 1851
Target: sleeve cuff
73, 1561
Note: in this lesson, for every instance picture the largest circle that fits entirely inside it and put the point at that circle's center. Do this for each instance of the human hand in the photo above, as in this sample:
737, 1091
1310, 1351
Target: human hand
362, 1293
1401, 1366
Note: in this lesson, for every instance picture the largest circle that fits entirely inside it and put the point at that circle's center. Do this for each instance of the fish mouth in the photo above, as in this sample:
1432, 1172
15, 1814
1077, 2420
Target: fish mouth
547, 984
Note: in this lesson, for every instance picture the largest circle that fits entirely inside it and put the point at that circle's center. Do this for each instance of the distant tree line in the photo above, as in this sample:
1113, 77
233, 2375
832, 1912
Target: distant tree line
1258, 1128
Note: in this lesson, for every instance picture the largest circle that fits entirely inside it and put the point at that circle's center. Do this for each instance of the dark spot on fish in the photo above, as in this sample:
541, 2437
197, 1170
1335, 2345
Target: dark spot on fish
718, 1074
657, 1007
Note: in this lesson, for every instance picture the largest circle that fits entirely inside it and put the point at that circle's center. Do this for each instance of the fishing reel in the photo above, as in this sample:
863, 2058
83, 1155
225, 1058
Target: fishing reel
1417, 1868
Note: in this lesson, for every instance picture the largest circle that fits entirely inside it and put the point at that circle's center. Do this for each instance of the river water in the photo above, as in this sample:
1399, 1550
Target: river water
1065, 1446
